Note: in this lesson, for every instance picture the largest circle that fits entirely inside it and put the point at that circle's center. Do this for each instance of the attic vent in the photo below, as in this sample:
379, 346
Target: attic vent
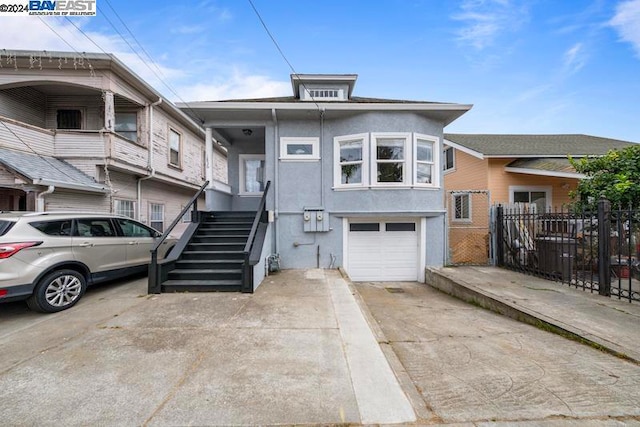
324, 93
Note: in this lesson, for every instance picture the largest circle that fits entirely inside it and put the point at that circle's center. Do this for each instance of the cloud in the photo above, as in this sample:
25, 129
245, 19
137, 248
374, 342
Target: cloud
574, 58
237, 86
627, 22
485, 20
59, 35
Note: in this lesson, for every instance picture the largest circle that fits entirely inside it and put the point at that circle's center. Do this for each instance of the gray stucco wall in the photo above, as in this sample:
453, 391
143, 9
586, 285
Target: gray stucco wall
309, 184
302, 183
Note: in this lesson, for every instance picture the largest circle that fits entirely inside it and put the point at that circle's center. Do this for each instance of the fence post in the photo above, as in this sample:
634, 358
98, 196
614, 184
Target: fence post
604, 250
499, 236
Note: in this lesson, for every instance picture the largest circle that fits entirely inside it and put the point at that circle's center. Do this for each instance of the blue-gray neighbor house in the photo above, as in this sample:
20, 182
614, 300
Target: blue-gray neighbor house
354, 182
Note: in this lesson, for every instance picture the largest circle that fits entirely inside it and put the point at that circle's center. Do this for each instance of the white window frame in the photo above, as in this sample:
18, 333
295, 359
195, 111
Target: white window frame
337, 170
453, 211
118, 211
313, 141
435, 160
407, 170
444, 159
151, 220
242, 158
169, 149
547, 189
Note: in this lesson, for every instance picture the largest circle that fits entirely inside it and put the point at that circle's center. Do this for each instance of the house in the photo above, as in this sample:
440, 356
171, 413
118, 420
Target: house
484, 169
355, 182
83, 132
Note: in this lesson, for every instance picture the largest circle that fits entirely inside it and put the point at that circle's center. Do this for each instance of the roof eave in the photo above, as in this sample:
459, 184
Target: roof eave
69, 185
556, 174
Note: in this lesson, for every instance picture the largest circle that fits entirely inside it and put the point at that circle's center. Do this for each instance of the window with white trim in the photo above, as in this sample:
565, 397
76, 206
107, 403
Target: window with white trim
448, 159
534, 195
156, 216
124, 208
351, 153
389, 159
251, 174
292, 148
425, 159
175, 148
385, 159
461, 207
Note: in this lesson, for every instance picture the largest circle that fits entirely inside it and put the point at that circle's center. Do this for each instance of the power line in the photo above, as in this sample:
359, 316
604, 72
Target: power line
147, 65
264, 25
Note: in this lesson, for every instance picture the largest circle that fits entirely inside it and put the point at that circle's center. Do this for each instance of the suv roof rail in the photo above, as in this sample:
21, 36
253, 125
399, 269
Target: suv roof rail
72, 213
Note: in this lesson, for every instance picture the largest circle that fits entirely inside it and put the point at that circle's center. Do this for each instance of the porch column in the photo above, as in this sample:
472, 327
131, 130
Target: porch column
109, 112
209, 156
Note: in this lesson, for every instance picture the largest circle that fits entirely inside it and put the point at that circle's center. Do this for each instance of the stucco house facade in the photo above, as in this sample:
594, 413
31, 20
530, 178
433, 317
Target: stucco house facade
485, 169
355, 182
83, 132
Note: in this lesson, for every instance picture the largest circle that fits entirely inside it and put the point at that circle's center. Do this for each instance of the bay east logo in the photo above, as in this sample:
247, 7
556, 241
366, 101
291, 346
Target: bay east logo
63, 7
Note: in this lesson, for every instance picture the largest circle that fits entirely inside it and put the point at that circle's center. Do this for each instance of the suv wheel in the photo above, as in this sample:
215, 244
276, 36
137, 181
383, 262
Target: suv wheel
57, 291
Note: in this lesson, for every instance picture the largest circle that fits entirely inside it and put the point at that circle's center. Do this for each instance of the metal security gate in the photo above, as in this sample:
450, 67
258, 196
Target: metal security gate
468, 231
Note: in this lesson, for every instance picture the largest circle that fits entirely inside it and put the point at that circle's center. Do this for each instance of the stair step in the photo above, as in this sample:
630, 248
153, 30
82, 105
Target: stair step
205, 274
216, 246
212, 255
223, 232
230, 224
213, 264
202, 286
221, 238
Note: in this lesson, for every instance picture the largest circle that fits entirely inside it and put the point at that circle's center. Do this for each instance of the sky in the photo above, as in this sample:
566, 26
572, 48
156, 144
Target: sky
529, 66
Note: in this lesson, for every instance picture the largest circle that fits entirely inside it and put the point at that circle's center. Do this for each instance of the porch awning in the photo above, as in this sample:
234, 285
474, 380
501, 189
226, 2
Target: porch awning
546, 166
47, 170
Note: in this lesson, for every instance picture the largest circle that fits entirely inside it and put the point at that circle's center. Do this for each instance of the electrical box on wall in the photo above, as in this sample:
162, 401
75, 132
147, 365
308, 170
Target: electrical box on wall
315, 219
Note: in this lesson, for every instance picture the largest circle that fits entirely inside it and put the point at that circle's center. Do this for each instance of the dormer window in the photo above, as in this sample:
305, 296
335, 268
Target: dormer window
323, 87
324, 94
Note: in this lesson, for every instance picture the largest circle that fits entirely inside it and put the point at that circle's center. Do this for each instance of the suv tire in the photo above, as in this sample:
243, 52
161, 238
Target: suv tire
57, 291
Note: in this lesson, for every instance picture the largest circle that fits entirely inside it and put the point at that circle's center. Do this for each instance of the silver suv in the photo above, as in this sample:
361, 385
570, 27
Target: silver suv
49, 258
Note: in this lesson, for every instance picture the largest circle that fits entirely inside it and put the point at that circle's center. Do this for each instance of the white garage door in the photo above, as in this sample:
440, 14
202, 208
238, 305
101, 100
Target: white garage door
383, 250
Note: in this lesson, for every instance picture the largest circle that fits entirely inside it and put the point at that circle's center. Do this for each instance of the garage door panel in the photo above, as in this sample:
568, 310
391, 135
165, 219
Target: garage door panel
383, 255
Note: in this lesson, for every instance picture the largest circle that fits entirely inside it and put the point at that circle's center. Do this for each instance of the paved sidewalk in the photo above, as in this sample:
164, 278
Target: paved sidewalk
603, 321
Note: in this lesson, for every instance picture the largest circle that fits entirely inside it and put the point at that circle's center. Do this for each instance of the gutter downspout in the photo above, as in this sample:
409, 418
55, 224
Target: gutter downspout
276, 179
150, 157
322, 110
40, 198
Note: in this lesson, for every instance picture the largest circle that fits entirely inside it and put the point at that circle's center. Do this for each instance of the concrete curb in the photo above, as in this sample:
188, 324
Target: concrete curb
480, 297
423, 412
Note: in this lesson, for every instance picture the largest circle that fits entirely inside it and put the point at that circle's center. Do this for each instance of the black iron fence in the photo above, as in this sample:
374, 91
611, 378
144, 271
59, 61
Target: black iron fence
597, 251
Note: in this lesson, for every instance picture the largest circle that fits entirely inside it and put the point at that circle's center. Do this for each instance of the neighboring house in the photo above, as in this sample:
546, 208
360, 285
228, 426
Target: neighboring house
83, 132
481, 170
355, 182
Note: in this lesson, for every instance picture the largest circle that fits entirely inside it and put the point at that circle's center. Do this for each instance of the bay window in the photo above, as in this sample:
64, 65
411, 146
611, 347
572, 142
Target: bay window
389, 158
350, 153
384, 159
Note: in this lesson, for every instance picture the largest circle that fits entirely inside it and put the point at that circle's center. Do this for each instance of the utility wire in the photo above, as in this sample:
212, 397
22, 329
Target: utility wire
264, 25
135, 51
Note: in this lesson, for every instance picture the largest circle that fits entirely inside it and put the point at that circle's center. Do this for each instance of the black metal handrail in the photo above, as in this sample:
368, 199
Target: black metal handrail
154, 280
260, 213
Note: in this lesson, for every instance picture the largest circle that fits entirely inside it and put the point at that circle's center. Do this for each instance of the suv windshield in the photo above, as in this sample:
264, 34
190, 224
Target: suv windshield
5, 226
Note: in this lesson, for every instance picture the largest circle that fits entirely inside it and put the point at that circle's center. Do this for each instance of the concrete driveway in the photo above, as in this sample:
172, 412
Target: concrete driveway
474, 366
298, 351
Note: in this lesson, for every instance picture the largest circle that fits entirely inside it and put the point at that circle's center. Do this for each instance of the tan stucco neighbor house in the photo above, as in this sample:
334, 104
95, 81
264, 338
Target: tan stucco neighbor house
485, 169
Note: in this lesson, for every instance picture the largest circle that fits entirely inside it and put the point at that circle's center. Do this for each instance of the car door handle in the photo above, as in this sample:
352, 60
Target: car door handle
85, 245
133, 243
